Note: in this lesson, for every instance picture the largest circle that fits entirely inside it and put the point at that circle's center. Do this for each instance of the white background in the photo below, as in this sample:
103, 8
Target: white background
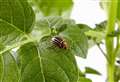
89, 12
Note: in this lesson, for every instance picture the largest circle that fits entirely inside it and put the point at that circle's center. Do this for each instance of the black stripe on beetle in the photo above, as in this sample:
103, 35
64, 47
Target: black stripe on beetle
58, 41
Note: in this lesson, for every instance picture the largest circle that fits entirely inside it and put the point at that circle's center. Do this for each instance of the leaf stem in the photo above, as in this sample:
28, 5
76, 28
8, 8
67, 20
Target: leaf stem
98, 45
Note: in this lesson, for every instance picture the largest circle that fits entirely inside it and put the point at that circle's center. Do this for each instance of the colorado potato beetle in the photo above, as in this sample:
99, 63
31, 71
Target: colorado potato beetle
58, 41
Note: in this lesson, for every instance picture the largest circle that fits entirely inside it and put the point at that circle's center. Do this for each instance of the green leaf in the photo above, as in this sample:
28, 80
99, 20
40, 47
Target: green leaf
81, 74
16, 20
59, 24
60, 27
51, 25
89, 70
46, 63
17, 13
10, 72
54, 7
42, 28
101, 26
77, 41
96, 35
84, 27
83, 79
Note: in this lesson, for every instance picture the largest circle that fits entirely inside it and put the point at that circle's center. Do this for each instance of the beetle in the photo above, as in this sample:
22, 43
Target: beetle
60, 42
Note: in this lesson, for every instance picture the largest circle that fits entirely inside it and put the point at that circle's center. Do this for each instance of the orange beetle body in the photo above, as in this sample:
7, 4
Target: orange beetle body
59, 42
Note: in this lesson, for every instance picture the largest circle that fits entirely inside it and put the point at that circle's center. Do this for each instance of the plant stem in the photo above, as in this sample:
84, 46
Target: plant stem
98, 45
109, 41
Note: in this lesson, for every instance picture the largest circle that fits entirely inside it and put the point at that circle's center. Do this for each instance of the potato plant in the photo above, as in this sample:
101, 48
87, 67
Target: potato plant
39, 41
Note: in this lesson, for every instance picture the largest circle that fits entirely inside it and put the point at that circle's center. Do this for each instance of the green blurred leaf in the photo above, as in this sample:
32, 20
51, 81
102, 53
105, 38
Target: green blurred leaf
81, 74
105, 5
101, 26
96, 35
50, 25
65, 27
16, 20
89, 70
77, 41
54, 7
83, 79
46, 63
10, 71
84, 27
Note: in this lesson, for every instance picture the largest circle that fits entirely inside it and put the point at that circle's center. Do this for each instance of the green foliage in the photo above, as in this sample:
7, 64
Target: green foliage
67, 29
77, 39
18, 16
35, 58
82, 79
45, 64
54, 7
89, 70
84, 27
9, 70
105, 5
112, 11
94, 35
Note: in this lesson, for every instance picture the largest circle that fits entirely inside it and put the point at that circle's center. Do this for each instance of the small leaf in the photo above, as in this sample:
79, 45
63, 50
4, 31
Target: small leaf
89, 70
81, 74
101, 26
84, 27
62, 28
77, 41
83, 79
96, 35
